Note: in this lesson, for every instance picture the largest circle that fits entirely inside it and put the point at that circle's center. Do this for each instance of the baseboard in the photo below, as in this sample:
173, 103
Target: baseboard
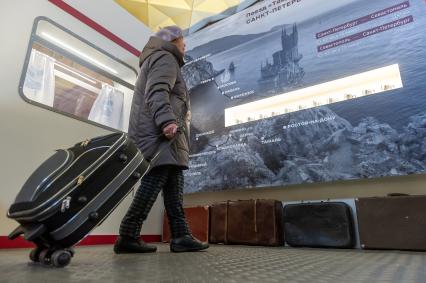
90, 240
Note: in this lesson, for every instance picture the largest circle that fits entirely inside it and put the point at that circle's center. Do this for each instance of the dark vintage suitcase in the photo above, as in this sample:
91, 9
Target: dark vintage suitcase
72, 192
320, 224
247, 222
394, 222
198, 222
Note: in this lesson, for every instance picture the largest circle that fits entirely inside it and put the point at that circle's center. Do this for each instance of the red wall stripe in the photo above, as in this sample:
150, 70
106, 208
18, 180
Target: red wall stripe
90, 240
19, 242
94, 25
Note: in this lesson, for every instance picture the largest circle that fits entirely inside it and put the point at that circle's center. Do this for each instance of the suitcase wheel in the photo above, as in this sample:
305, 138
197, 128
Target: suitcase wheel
44, 256
61, 258
35, 254
58, 258
71, 250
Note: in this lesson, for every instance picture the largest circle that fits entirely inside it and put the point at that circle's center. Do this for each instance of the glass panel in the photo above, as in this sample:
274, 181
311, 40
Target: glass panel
69, 75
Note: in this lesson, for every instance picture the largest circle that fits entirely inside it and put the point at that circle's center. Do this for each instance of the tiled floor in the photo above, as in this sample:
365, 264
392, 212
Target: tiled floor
221, 264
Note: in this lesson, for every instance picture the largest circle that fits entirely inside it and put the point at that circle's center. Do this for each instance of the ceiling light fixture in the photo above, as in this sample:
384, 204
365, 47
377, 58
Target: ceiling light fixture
78, 52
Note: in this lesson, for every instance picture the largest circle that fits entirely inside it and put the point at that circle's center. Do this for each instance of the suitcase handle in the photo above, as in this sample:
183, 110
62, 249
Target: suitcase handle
16, 233
398, 195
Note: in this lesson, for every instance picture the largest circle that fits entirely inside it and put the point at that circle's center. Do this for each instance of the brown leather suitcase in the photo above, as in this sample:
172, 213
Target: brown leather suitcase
218, 212
198, 222
393, 222
247, 222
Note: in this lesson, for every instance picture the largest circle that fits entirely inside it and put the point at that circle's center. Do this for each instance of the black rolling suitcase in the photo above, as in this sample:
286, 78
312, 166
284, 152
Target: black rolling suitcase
73, 192
319, 225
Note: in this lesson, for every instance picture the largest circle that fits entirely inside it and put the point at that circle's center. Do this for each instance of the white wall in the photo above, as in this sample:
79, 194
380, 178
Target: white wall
412, 184
29, 134
114, 18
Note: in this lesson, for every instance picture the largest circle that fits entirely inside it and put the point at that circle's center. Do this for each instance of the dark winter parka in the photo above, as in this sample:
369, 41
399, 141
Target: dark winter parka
160, 98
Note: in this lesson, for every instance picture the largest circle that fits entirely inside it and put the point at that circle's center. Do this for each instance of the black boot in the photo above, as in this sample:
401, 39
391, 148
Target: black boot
128, 245
187, 243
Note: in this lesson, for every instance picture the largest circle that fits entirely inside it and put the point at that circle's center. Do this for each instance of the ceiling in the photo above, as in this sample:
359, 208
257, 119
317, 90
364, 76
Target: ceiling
183, 13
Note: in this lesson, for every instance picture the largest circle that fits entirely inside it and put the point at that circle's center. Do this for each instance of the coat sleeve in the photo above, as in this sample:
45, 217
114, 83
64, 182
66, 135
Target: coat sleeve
161, 78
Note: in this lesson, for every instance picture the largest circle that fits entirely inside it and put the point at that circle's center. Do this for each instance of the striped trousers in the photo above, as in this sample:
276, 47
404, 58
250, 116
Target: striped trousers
168, 179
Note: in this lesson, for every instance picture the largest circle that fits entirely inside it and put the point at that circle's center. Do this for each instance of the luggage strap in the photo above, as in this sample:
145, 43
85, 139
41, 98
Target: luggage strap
226, 222
254, 219
255, 216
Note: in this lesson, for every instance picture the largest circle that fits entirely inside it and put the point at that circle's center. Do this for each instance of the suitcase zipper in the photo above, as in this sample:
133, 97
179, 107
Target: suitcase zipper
80, 180
65, 204
85, 143
48, 180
